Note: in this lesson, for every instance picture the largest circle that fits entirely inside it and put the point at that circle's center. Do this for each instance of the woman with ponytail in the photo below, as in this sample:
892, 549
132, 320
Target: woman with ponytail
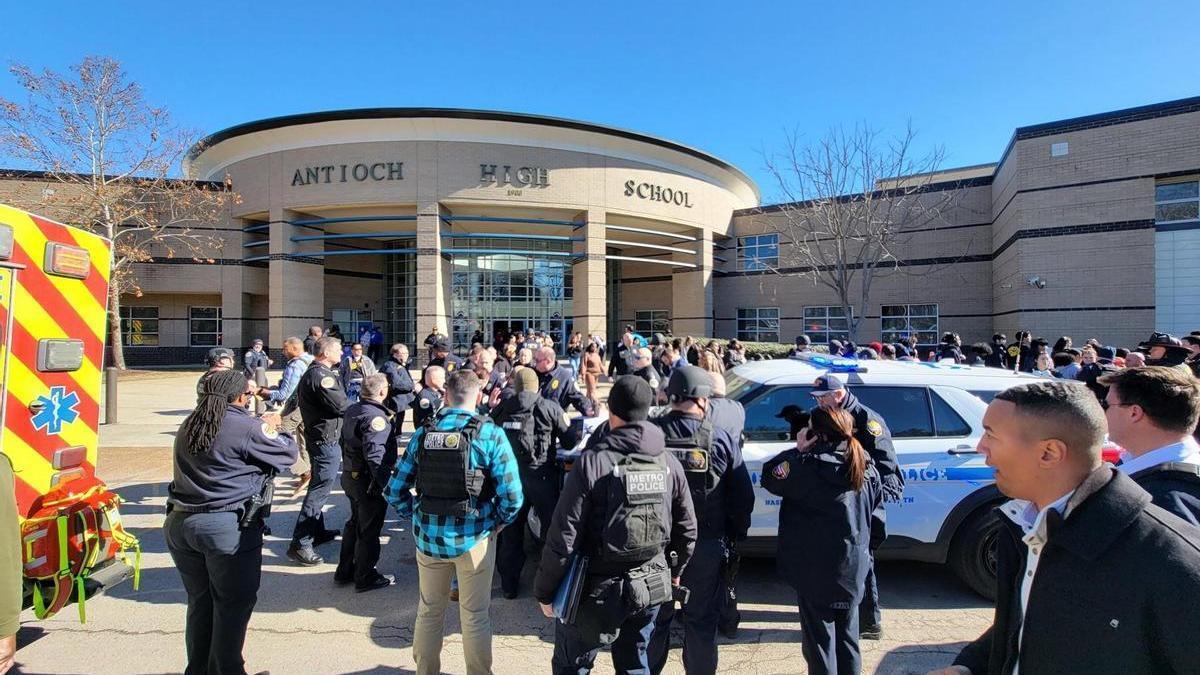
829, 487
223, 455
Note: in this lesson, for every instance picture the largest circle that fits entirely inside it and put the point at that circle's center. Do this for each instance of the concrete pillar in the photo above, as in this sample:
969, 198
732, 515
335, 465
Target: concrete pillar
233, 308
297, 286
692, 291
433, 277
590, 277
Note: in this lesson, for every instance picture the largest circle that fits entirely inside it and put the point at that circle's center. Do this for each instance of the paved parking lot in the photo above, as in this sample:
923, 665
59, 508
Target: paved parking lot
304, 624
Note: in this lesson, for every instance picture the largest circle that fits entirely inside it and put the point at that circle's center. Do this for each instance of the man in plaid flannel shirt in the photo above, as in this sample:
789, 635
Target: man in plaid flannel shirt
462, 546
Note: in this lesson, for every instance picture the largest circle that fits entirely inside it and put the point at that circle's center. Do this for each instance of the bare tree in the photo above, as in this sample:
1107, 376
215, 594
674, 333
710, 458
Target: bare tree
114, 157
851, 201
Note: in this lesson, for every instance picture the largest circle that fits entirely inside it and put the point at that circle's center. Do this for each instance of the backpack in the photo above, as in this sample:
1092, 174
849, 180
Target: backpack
636, 522
521, 430
66, 537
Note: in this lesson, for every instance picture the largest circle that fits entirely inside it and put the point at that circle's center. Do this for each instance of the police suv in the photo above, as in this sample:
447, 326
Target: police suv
935, 414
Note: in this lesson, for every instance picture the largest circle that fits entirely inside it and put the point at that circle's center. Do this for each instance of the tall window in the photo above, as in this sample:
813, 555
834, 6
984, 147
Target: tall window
758, 252
204, 326
139, 326
822, 324
651, 321
758, 324
900, 321
1177, 202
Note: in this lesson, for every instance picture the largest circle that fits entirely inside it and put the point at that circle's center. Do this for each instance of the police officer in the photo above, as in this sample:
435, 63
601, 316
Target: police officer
534, 426
322, 405
729, 415
217, 359
624, 476
368, 456
872, 433
483, 362
724, 497
429, 400
558, 383
441, 356
400, 384
643, 367
222, 458
255, 358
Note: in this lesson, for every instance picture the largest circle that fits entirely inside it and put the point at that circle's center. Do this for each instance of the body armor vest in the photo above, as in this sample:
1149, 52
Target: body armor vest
446, 483
695, 454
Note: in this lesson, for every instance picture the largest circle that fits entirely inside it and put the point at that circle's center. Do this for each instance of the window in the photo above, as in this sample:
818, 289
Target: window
947, 421
901, 321
204, 326
139, 326
758, 252
1177, 202
758, 324
904, 409
822, 324
651, 321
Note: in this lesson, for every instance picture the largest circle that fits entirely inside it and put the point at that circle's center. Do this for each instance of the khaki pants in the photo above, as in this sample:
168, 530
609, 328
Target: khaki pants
292, 424
474, 570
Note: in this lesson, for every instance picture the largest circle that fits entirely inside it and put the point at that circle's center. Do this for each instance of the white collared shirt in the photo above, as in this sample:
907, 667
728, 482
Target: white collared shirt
1033, 523
1187, 451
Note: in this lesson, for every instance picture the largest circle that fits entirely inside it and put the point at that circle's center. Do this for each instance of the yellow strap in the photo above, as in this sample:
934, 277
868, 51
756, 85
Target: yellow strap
39, 603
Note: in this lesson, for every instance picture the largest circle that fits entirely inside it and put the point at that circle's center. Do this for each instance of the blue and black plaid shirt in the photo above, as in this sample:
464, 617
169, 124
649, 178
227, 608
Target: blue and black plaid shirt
450, 536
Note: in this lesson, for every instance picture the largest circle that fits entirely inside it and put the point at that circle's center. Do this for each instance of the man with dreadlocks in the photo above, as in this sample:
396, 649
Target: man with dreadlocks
223, 457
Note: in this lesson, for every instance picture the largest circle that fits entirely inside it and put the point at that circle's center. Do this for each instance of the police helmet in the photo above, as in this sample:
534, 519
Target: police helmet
216, 354
689, 382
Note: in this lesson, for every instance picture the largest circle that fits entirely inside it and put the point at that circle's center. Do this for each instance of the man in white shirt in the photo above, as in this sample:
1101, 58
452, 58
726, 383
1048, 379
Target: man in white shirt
1152, 413
1071, 543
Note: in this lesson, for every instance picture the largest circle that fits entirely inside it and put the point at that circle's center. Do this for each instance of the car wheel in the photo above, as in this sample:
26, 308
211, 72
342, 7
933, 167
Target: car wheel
973, 551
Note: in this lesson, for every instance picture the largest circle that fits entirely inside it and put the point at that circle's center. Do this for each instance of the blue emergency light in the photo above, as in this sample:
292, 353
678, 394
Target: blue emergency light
834, 364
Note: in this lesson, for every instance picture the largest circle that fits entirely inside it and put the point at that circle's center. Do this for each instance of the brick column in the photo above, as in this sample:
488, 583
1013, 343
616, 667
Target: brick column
433, 276
297, 284
590, 277
692, 292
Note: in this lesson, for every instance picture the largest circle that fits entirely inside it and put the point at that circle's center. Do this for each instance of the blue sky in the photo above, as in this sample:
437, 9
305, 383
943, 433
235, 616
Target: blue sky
728, 78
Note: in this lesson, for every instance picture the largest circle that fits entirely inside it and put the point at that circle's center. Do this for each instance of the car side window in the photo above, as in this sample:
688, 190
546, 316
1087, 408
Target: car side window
905, 409
761, 421
946, 419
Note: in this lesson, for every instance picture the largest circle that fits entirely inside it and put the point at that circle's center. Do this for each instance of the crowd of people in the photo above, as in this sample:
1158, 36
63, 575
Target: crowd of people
656, 504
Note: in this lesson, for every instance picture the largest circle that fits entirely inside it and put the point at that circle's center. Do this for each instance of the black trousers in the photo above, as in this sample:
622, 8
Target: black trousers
541, 487
830, 639
360, 538
575, 655
326, 458
700, 616
221, 567
870, 614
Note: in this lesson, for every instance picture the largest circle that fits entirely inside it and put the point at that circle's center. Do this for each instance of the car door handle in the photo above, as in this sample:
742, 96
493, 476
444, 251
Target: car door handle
963, 450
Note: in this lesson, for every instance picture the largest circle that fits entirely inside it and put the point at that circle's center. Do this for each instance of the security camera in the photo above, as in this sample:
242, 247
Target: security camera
1036, 282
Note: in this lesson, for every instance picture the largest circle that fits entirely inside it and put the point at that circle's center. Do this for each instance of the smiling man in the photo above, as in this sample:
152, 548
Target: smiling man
1080, 546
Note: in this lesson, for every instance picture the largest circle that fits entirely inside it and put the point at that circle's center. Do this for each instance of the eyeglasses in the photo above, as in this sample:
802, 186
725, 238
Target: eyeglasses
1106, 405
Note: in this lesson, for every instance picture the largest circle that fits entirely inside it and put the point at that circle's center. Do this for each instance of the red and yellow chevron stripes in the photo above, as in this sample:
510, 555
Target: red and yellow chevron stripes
48, 306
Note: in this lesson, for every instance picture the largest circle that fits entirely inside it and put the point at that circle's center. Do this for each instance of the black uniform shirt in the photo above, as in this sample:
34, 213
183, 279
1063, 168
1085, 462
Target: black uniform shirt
873, 434
322, 403
400, 385
726, 512
558, 385
223, 478
427, 404
367, 442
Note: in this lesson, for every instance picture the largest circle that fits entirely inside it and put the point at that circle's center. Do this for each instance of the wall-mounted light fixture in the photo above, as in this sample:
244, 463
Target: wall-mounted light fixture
1036, 282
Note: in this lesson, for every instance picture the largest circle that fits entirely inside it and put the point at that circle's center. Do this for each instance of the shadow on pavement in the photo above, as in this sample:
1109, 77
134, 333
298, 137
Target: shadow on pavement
918, 659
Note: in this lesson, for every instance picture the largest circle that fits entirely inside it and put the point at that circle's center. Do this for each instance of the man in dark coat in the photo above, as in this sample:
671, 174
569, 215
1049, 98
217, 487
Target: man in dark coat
400, 383
1090, 576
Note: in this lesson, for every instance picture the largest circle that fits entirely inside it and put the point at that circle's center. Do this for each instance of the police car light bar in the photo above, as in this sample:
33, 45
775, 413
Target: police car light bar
835, 364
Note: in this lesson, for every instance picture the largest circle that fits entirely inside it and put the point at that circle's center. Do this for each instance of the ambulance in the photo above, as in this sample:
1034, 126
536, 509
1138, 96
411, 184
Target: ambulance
53, 313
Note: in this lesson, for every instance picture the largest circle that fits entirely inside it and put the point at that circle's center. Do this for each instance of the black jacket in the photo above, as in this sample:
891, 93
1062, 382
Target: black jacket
872, 432
824, 523
400, 385
549, 425
427, 404
1089, 374
322, 403
727, 510
223, 478
578, 519
310, 344
558, 385
1115, 590
367, 441
1173, 486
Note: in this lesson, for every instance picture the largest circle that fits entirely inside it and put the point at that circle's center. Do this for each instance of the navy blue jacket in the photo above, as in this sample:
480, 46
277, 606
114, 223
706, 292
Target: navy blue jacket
367, 441
1174, 487
824, 523
872, 432
223, 478
726, 512
558, 385
400, 385
322, 403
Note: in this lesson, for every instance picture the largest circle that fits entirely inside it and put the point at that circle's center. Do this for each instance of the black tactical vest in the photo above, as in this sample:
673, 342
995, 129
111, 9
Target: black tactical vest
695, 454
636, 521
446, 483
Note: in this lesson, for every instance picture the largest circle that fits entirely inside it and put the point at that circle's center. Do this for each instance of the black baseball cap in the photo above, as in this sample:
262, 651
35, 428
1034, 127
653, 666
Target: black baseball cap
441, 344
630, 398
803, 340
825, 384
